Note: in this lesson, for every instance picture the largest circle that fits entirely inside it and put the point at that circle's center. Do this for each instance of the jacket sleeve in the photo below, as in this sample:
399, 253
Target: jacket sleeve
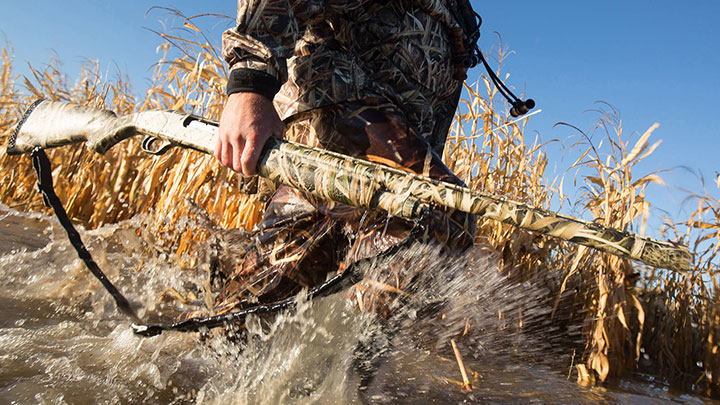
258, 47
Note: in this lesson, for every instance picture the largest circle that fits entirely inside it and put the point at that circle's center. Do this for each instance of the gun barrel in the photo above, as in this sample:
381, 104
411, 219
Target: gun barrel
356, 182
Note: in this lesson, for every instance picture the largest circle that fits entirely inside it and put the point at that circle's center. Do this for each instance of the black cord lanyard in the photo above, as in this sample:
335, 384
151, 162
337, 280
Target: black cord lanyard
470, 22
41, 163
349, 277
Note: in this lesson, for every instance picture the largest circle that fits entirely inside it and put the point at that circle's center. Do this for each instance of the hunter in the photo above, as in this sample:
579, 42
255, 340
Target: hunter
377, 80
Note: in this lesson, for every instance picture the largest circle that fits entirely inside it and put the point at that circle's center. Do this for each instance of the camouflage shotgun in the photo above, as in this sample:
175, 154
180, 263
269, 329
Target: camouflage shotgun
329, 175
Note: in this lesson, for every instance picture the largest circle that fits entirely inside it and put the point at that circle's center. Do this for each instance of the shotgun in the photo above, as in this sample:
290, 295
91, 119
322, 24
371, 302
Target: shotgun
329, 175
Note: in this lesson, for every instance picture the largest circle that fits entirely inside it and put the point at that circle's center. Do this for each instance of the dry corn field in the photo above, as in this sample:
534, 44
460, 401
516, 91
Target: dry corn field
632, 317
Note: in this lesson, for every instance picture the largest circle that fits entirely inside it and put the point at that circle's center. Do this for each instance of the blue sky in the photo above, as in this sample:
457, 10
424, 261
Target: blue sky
654, 61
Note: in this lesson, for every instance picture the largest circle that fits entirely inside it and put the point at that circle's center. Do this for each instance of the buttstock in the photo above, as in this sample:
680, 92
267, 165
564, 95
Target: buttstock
48, 124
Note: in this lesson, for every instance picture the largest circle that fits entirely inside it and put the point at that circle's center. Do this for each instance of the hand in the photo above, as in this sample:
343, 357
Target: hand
246, 123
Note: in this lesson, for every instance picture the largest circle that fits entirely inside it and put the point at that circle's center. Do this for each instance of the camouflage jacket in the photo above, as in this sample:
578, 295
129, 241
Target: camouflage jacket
326, 52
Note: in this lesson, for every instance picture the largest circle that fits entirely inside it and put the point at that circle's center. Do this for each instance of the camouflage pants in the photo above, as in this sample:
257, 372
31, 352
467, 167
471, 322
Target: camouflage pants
302, 238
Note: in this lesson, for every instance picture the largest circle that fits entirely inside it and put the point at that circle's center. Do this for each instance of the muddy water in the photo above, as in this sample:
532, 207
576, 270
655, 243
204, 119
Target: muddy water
61, 340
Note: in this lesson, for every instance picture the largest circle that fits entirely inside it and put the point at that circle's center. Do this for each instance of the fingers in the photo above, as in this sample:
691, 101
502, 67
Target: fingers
238, 146
218, 148
251, 155
228, 150
240, 154
246, 123
227, 154
224, 151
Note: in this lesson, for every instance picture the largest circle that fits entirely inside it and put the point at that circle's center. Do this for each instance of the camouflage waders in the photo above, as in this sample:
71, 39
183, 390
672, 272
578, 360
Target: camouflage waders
371, 79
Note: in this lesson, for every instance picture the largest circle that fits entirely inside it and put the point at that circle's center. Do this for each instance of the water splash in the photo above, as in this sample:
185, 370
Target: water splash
61, 340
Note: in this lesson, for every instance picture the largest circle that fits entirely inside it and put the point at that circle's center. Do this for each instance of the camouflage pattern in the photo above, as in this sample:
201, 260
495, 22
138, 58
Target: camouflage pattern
314, 226
363, 183
49, 124
334, 176
363, 78
335, 51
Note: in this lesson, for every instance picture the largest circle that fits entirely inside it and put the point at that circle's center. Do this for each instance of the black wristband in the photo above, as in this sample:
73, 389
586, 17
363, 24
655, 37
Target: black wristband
253, 81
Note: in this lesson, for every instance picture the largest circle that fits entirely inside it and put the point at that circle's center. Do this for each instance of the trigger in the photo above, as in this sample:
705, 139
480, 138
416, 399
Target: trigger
155, 146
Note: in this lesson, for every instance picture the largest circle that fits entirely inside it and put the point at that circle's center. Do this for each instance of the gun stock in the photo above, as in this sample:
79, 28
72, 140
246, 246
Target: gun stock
49, 124
329, 175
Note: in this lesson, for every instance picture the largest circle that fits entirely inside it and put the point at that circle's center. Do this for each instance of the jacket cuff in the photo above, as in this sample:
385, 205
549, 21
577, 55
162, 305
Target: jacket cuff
253, 81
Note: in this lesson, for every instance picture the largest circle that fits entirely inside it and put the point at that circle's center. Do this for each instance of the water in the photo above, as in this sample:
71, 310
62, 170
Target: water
61, 340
